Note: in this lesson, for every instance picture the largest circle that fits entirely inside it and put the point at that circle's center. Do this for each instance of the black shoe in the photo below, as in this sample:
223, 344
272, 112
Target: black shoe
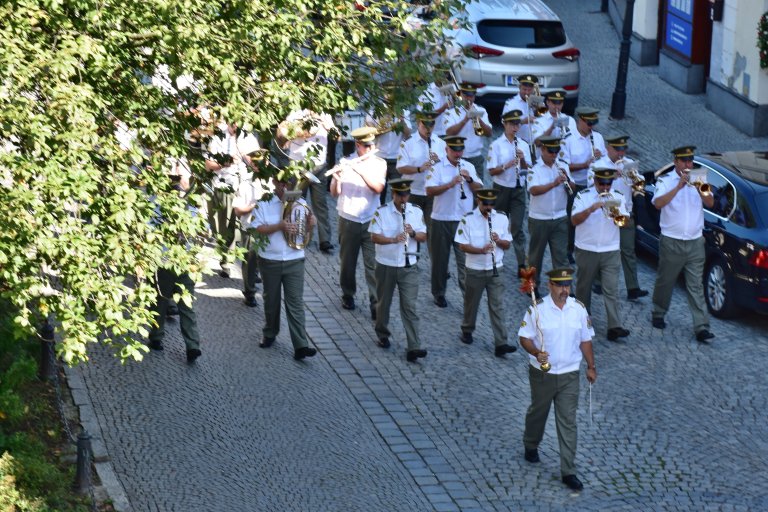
412, 355
173, 310
347, 302
257, 279
615, 333
597, 289
251, 302
572, 482
303, 352
373, 312
224, 273
704, 336
504, 349
659, 323
466, 337
532, 456
266, 342
192, 354
156, 344
383, 342
636, 293
441, 302
326, 247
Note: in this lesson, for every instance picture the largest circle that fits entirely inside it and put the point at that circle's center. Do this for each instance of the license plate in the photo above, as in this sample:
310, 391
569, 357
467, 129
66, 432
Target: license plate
512, 81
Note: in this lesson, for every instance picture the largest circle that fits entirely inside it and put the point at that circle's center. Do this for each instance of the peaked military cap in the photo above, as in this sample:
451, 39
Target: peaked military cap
426, 116
487, 194
550, 142
365, 135
587, 113
400, 184
562, 276
616, 140
468, 87
528, 79
557, 95
683, 151
455, 142
605, 173
512, 115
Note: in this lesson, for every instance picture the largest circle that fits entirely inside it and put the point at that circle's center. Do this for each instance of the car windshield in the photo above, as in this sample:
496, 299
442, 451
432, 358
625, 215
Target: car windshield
522, 33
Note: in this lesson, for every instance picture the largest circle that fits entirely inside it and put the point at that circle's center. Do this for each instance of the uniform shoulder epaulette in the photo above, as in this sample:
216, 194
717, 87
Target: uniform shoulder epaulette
577, 301
382, 206
618, 192
469, 213
540, 301
561, 160
568, 134
415, 206
499, 212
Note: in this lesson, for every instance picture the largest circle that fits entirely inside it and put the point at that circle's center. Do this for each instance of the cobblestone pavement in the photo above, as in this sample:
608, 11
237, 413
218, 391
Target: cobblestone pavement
672, 424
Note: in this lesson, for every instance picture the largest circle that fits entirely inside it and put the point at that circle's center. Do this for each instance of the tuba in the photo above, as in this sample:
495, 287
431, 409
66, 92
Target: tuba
299, 214
611, 208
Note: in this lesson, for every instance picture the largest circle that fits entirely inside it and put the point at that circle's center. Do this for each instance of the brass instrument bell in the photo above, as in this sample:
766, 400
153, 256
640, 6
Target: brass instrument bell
299, 214
545, 367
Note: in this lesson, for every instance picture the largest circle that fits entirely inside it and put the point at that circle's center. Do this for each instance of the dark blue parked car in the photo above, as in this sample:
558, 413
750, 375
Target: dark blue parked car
735, 229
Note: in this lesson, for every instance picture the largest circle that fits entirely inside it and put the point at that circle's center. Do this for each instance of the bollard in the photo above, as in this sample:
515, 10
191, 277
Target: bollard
47, 369
604, 6
83, 475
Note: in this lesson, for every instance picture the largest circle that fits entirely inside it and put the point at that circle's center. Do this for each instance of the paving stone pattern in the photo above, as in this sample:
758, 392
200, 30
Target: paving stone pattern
672, 425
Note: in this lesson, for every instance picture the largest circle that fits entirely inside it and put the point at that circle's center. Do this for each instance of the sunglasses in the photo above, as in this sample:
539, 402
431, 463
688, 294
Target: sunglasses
592, 122
402, 193
686, 158
428, 123
556, 102
605, 182
553, 151
486, 202
517, 121
620, 148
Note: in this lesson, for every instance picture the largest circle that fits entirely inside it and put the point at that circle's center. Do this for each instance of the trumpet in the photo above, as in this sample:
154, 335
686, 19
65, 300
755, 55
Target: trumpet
612, 209
476, 125
696, 179
536, 102
632, 177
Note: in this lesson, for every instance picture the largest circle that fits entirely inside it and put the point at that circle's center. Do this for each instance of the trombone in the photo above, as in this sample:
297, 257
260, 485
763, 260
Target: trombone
612, 209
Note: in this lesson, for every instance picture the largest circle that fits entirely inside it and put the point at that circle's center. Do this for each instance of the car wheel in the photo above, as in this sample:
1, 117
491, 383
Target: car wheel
718, 290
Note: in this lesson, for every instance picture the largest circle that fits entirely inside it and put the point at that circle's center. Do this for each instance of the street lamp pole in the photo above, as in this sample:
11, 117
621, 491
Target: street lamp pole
619, 99
604, 6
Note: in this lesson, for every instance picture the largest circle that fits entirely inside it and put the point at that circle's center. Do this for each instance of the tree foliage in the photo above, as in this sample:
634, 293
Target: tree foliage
77, 240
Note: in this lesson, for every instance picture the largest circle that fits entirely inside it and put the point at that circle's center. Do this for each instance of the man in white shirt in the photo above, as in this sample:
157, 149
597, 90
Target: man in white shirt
483, 235
357, 183
390, 133
416, 157
438, 97
520, 102
597, 245
396, 229
282, 268
553, 123
450, 182
508, 163
549, 183
681, 247
616, 147
567, 331
470, 120
249, 193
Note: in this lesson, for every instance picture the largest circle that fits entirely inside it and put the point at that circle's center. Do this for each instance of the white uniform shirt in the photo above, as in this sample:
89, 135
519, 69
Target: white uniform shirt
432, 96
516, 102
473, 230
683, 217
502, 150
578, 149
598, 233
542, 124
553, 203
473, 146
357, 202
564, 330
299, 148
388, 143
415, 152
449, 206
249, 193
388, 221
271, 212
620, 183
236, 146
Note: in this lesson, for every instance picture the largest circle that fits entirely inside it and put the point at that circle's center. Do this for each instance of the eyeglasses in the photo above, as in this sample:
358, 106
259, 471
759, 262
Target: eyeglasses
556, 102
428, 124
402, 193
553, 151
515, 122
591, 122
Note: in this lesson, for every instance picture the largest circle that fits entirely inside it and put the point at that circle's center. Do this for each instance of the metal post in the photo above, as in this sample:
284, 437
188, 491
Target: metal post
619, 99
604, 6
83, 475
47, 369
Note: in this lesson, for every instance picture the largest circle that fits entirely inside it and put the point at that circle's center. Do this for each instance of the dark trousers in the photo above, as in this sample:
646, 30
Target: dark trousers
168, 283
353, 237
543, 232
440, 243
223, 223
477, 282
512, 202
286, 277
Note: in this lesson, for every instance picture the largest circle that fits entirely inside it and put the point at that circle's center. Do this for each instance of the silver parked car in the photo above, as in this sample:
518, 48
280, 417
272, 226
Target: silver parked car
504, 39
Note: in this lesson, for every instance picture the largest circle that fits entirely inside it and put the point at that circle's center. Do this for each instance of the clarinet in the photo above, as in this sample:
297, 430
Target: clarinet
517, 165
407, 258
461, 183
592, 143
493, 246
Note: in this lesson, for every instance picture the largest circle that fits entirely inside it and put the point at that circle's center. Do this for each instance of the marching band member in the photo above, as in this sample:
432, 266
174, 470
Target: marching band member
248, 194
483, 235
396, 229
508, 163
616, 147
357, 183
597, 246
390, 133
520, 102
451, 183
549, 183
553, 123
438, 98
282, 270
681, 247
470, 120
